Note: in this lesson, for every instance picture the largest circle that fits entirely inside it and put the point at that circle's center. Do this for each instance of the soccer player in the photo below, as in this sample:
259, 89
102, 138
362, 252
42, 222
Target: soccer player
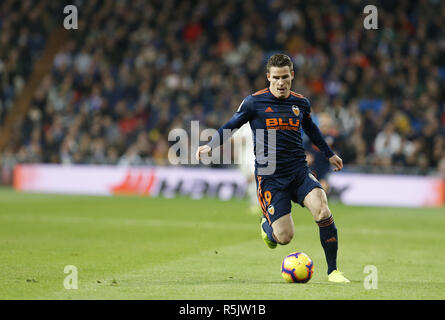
275, 115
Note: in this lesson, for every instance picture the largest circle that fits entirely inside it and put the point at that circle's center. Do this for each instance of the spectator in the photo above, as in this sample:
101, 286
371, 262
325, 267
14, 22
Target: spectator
136, 70
387, 143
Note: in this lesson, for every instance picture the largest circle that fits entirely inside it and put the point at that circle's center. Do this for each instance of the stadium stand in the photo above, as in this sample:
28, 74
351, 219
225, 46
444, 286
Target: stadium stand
134, 70
24, 28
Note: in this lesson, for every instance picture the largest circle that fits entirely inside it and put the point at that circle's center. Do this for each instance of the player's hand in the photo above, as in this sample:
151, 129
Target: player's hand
202, 149
337, 162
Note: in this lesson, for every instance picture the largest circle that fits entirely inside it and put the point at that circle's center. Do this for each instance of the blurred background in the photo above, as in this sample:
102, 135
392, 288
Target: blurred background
110, 91
88, 111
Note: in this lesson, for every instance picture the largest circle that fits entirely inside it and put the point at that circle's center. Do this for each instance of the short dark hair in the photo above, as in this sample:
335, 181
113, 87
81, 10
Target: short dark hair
279, 60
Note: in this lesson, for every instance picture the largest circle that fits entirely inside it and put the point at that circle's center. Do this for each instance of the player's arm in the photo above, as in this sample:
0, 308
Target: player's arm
314, 133
241, 116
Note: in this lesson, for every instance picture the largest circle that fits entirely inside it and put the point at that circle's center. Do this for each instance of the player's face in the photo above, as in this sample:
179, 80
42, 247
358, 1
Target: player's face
280, 79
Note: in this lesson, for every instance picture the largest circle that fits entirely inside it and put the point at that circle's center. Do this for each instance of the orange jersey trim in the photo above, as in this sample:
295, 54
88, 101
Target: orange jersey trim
296, 94
261, 92
261, 200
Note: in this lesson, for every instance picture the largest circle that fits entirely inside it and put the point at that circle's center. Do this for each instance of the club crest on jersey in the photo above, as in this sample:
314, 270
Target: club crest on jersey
271, 209
296, 110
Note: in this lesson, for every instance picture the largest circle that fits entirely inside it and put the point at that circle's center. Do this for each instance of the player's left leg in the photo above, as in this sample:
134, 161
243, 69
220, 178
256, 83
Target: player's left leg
317, 203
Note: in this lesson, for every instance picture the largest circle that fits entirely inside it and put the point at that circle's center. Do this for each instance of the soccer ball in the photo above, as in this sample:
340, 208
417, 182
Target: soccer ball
297, 267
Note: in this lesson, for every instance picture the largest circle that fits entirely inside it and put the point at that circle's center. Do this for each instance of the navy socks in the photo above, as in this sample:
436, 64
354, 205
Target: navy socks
329, 241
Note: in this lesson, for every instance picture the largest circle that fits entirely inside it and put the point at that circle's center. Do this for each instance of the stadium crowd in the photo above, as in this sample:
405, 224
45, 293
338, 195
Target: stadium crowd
135, 70
24, 29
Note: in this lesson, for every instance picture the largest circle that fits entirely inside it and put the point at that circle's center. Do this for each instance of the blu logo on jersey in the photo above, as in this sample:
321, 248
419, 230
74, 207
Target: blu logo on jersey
282, 124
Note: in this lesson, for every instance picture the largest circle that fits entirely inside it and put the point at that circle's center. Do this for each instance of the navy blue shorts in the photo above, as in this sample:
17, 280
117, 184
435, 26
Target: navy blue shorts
275, 194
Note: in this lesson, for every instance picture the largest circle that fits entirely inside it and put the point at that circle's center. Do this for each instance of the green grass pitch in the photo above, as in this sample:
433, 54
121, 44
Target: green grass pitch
157, 248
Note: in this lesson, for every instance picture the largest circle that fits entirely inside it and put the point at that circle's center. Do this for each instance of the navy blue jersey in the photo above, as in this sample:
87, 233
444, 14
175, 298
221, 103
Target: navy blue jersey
277, 137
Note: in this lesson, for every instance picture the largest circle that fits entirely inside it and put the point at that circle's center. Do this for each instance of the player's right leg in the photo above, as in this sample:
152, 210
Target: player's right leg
281, 231
276, 226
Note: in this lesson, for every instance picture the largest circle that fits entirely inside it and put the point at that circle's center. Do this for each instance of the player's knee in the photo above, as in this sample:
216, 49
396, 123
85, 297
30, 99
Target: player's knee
324, 212
284, 236
322, 209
